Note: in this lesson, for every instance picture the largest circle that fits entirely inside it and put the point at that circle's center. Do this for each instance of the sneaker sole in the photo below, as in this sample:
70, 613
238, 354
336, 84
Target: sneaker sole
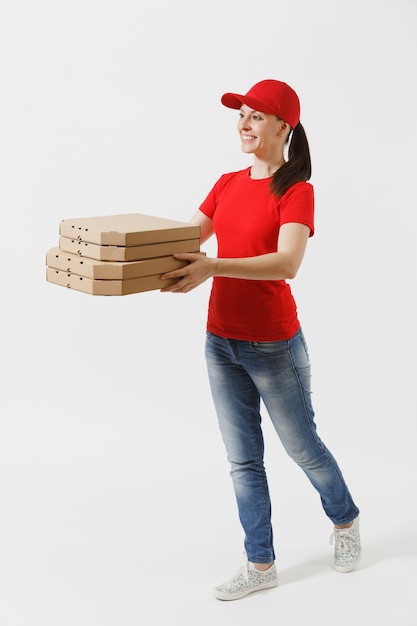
222, 595
347, 568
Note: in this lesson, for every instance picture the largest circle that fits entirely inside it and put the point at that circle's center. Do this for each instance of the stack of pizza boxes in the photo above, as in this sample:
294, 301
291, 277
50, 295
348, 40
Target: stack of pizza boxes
116, 255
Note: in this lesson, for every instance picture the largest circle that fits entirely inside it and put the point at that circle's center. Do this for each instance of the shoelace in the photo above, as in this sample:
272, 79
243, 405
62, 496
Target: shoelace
339, 536
243, 569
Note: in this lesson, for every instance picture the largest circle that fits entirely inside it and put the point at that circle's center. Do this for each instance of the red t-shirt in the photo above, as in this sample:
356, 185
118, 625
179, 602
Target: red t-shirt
246, 220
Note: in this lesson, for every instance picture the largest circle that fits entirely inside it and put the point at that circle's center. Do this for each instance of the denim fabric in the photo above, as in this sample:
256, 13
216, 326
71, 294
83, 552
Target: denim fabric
241, 373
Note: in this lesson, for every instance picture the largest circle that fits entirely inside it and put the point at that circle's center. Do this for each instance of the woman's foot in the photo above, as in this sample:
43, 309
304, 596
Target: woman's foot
247, 580
347, 546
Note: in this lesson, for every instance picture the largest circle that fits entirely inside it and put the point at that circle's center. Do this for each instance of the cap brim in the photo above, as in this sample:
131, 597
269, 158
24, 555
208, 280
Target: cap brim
232, 100
235, 101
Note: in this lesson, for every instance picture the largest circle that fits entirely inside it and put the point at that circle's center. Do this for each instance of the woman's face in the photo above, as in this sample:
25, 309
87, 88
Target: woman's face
260, 133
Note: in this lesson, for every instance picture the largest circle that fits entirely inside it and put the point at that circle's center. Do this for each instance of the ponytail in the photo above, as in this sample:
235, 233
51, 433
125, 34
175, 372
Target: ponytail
298, 166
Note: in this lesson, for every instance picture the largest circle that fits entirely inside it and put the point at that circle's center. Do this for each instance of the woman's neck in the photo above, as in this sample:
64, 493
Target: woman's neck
263, 169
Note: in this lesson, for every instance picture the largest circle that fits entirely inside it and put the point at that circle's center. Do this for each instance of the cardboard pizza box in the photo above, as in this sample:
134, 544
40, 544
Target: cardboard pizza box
107, 270
105, 287
123, 253
130, 229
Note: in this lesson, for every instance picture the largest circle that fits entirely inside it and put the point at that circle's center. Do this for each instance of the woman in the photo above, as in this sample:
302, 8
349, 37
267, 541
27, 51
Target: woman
262, 217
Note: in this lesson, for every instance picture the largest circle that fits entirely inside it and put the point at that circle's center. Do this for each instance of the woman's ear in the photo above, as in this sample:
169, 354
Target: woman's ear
285, 129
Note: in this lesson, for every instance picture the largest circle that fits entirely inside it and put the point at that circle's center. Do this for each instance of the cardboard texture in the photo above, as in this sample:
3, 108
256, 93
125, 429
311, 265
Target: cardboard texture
105, 287
133, 253
117, 255
107, 270
131, 229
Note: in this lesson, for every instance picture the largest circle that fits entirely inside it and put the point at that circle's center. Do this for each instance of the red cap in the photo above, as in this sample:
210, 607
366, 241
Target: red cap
268, 96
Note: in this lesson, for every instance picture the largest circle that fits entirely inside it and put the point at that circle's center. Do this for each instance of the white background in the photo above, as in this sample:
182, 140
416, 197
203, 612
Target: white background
116, 507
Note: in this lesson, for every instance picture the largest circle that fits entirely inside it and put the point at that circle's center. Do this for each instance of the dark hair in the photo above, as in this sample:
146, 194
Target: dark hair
298, 166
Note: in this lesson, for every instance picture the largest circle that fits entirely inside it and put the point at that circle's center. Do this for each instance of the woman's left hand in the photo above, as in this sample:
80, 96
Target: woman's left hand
198, 270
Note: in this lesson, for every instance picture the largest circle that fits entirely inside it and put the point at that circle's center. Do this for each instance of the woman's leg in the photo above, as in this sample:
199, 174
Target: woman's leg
237, 404
281, 372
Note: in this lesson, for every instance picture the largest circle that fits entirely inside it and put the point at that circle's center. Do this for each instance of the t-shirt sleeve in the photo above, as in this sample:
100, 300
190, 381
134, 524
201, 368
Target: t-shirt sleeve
297, 205
208, 206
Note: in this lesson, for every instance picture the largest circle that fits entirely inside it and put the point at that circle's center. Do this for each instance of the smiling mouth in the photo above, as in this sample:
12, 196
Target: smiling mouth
247, 138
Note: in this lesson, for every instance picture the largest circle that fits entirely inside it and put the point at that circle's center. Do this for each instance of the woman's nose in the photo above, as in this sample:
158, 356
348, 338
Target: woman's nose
244, 122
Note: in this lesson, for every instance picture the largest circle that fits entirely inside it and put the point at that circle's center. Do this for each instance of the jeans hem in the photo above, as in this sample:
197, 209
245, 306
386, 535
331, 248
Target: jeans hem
264, 560
346, 520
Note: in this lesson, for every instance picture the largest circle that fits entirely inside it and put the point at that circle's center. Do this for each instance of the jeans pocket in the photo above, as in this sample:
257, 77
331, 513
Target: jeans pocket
269, 348
301, 362
299, 351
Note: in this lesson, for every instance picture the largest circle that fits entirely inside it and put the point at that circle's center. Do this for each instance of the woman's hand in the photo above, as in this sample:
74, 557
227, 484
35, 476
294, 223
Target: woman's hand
281, 265
198, 270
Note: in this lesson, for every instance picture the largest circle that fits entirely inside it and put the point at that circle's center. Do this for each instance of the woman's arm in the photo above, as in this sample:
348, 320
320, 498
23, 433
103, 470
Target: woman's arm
280, 265
205, 223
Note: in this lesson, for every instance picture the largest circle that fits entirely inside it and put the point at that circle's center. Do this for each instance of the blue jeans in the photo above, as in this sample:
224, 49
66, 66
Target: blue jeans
241, 373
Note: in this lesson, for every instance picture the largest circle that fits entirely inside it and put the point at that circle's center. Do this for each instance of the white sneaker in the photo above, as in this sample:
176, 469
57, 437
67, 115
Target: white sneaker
347, 547
247, 580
